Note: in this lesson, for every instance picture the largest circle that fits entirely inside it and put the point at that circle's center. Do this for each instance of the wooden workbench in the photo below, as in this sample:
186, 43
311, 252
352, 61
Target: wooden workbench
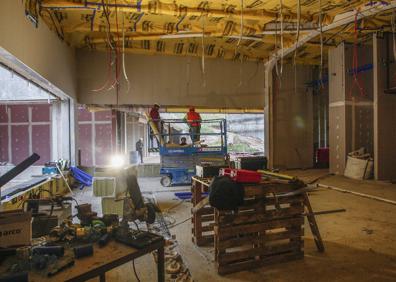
103, 260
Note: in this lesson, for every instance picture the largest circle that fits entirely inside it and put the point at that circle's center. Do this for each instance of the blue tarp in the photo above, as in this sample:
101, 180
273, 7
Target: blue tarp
82, 177
188, 195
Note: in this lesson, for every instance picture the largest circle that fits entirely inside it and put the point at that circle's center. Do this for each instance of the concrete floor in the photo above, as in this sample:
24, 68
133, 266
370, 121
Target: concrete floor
360, 243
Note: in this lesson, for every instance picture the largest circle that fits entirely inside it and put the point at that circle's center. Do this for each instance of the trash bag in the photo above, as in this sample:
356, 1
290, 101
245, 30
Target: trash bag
225, 193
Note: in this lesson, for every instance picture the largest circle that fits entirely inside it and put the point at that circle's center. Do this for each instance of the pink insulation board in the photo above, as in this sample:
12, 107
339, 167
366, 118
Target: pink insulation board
103, 116
3, 113
41, 143
4, 143
85, 144
19, 113
20, 143
41, 113
102, 143
84, 115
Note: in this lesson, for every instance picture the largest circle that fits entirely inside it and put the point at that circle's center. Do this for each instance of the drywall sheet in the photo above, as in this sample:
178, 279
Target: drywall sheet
293, 119
350, 103
176, 80
384, 112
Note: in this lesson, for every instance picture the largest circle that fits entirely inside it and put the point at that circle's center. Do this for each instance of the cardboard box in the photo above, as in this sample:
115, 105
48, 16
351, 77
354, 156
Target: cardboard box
15, 228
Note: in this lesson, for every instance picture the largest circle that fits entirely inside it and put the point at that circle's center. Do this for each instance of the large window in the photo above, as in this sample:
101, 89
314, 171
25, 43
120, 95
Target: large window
32, 120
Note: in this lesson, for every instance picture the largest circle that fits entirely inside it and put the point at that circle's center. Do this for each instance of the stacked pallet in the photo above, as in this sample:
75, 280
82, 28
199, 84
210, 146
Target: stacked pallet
267, 229
203, 219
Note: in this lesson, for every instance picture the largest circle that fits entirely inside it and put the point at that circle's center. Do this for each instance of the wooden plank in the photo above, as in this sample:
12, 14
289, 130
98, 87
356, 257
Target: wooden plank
203, 181
313, 225
205, 211
260, 251
208, 217
254, 217
207, 228
200, 205
259, 238
268, 188
270, 200
258, 227
204, 240
226, 269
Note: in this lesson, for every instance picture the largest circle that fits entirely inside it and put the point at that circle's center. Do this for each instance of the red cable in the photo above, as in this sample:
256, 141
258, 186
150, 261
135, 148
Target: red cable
355, 61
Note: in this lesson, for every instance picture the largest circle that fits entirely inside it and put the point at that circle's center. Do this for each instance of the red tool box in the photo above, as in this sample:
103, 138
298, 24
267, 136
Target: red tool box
242, 175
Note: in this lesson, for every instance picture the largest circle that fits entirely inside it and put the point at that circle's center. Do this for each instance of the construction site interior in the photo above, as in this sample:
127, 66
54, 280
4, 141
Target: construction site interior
191, 140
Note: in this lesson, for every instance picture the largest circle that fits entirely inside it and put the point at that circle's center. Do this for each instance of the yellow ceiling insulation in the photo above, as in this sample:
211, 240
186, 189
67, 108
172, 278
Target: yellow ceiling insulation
230, 29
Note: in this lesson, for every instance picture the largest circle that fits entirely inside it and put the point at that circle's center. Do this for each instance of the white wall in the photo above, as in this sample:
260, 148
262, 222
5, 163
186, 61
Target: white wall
37, 48
173, 80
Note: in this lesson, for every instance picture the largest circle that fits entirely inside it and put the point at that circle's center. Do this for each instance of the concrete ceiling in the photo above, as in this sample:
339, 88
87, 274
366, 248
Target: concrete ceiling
230, 29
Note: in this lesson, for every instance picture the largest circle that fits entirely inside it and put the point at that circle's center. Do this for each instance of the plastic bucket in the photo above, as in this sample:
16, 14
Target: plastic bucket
134, 157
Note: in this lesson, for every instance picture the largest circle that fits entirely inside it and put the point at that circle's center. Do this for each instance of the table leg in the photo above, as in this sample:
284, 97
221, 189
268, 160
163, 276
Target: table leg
102, 277
161, 265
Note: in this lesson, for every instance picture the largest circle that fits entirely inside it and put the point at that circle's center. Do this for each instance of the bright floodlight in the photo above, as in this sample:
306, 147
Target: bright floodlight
117, 160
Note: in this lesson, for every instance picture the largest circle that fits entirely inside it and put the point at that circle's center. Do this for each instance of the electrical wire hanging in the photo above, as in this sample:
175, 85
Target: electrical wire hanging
241, 28
355, 60
108, 29
276, 49
281, 34
108, 72
321, 45
296, 49
203, 53
297, 28
393, 25
123, 54
110, 48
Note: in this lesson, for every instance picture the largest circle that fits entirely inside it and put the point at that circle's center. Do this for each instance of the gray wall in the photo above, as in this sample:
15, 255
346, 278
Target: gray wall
36, 48
384, 113
293, 119
173, 80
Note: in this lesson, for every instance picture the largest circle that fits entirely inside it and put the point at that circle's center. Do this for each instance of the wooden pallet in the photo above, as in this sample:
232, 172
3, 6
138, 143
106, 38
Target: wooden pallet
265, 230
202, 220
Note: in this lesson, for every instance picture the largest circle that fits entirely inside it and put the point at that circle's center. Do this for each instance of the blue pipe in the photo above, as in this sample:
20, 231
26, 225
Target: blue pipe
360, 69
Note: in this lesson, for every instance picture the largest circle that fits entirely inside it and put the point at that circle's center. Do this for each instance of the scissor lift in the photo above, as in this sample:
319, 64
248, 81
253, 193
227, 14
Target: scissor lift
178, 162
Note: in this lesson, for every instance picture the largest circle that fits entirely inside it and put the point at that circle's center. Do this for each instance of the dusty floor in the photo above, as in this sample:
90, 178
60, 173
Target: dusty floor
360, 243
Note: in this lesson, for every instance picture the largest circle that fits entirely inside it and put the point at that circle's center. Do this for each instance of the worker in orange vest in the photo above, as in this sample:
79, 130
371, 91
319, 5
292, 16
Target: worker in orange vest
193, 120
156, 119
